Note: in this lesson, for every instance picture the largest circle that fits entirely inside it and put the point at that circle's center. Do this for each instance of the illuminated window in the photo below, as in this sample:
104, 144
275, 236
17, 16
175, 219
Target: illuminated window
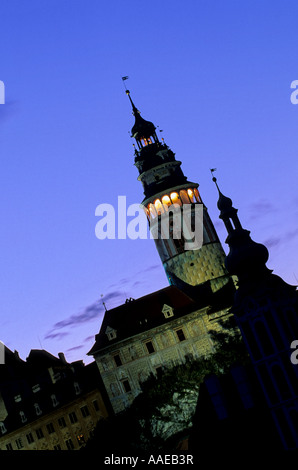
191, 195
197, 195
152, 211
175, 198
159, 207
81, 439
184, 197
166, 201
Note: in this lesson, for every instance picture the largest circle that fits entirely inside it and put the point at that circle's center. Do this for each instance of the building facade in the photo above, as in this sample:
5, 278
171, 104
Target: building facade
159, 330
47, 403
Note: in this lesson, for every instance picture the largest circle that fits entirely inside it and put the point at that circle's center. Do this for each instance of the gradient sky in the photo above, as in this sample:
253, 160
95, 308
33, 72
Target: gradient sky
214, 75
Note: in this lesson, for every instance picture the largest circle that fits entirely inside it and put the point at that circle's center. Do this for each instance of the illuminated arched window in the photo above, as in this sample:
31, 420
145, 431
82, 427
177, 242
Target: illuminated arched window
184, 197
166, 202
191, 195
175, 198
158, 206
197, 195
152, 211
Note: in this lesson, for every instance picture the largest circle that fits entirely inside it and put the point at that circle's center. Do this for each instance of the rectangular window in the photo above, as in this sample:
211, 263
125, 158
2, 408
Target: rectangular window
39, 433
9, 446
85, 411
62, 423
180, 334
69, 444
73, 417
117, 360
126, 386
95, 404
50, 428
30, 438
57, 447
150, 347
19, 443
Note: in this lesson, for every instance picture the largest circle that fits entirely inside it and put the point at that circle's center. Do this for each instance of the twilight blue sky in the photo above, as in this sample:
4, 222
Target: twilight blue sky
214, 75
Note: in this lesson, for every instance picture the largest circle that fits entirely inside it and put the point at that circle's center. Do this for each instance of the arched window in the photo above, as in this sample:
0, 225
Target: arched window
191, 195
23, 417
184, 197
197, 195
152, 211
2, 428
159, 207
37, 409
175, 198
166, 202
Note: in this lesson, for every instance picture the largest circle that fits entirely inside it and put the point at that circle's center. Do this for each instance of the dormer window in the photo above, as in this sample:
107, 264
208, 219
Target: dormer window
167, 311
54, 400
77, 388
23, 417
2, 428
111, 333
37, 409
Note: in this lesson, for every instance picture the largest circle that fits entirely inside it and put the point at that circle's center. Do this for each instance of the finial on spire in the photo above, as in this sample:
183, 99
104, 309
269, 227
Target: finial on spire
135, 110
214, 179
103, 303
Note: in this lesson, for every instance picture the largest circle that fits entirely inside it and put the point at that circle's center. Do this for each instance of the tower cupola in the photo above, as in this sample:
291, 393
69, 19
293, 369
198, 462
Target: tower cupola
144, 132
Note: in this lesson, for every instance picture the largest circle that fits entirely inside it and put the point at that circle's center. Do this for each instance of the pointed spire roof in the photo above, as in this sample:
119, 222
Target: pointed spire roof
224, 203
141, 127
246, 257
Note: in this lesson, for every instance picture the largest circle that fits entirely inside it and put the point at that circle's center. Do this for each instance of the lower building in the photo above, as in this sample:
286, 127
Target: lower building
47, 403
161, 329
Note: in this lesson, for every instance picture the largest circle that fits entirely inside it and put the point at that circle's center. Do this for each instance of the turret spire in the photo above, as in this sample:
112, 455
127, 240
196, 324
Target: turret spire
246, 258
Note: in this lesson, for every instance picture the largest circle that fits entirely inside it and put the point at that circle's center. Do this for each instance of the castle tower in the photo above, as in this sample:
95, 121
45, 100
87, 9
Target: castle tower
169, 195
266, 310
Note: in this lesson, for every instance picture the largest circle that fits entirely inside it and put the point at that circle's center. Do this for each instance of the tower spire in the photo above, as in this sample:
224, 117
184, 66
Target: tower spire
168, 193
246, 258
